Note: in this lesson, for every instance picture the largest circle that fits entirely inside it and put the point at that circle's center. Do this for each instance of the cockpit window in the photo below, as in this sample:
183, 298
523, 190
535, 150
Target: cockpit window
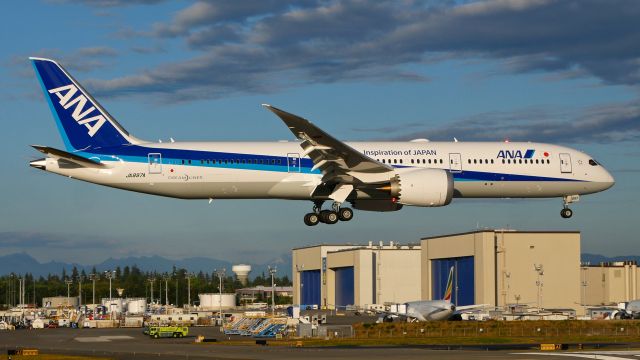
593, 162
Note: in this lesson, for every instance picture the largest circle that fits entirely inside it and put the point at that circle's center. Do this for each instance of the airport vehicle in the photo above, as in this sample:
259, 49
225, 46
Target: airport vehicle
429, 310
168, 331
371, 176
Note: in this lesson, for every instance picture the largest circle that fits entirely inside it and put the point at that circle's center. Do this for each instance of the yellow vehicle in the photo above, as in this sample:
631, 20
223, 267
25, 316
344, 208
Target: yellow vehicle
168, 331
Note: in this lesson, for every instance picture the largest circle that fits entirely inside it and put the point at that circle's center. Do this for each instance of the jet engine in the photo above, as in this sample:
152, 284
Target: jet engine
423, 187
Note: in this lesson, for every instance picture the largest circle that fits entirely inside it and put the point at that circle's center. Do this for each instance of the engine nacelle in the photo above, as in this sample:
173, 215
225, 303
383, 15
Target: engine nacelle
423, 187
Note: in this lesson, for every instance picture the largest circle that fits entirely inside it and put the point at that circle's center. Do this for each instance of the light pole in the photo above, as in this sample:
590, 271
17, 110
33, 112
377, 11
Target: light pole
151, 281
166, 289
21, 291
220, 273
93, 277
300, 269
110, 275
68, 282
176, 275
80, 279
539, 269
272, 272
189, 276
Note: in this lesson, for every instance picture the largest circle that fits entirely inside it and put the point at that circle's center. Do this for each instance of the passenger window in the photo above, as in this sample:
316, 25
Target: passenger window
273, 161
412, 161
492, 161
400, 161
189, 162
520, 161
548, 161
182, 162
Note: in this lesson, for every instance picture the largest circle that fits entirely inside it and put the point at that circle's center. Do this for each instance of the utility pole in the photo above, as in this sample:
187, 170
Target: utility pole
93, 277
220, 273
272, 271
68, 282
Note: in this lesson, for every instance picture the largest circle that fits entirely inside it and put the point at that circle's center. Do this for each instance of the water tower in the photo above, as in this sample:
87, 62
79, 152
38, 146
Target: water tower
242, 272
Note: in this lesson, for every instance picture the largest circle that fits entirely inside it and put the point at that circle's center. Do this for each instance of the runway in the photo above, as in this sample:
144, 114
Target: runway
132, 344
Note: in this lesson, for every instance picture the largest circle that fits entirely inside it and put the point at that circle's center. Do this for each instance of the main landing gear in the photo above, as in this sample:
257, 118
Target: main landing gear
568, 199
332, 216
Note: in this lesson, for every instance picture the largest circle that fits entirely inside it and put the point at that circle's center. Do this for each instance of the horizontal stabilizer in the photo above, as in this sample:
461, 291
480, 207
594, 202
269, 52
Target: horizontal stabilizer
60, 154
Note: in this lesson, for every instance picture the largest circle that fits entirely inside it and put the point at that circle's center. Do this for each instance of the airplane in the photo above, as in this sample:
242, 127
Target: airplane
371, 176
630, 311
430, 310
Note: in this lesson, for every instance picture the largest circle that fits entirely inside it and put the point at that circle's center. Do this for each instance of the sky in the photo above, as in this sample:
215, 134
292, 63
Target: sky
564, 72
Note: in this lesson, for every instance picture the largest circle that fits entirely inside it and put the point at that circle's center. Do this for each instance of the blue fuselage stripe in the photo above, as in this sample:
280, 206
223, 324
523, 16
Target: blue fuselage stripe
212, 159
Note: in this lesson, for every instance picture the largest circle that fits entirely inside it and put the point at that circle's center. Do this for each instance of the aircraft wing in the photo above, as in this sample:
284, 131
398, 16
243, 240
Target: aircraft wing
339, 162
471, 307
60, 154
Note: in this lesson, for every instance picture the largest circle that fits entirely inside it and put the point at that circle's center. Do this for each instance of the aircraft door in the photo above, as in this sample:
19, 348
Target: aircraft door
455, 162
565, 163
155, 163
293, 162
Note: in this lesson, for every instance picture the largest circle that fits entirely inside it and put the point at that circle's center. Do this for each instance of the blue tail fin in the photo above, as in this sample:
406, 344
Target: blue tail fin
82, 122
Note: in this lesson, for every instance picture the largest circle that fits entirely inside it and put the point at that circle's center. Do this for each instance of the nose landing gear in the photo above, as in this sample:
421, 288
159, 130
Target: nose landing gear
327, 216
568, 199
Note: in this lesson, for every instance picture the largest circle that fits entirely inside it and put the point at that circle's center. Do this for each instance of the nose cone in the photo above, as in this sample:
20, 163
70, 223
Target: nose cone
608, 180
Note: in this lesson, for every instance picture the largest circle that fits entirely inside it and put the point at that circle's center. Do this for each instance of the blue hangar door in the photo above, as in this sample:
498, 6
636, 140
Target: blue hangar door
310, 287
463, 280
344, 286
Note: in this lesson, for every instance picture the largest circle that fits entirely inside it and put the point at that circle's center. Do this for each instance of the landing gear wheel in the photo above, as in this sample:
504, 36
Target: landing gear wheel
328, 217
345, 214
311, 219
566, 213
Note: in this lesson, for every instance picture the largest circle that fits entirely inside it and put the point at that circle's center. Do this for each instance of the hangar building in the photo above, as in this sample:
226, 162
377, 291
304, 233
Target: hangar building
609, 283
493, 267
340, 276
502, 267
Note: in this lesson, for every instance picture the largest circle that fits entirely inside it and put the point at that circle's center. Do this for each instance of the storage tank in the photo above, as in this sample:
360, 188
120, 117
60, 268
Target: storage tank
115, 305
242, 272
212, 301
136, 306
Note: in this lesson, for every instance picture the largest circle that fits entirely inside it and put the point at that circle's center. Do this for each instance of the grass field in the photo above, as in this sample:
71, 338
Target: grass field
51, 357
474, 333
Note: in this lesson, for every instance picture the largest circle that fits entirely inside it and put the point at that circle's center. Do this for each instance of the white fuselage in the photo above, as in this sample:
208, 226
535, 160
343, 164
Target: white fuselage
275, 170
